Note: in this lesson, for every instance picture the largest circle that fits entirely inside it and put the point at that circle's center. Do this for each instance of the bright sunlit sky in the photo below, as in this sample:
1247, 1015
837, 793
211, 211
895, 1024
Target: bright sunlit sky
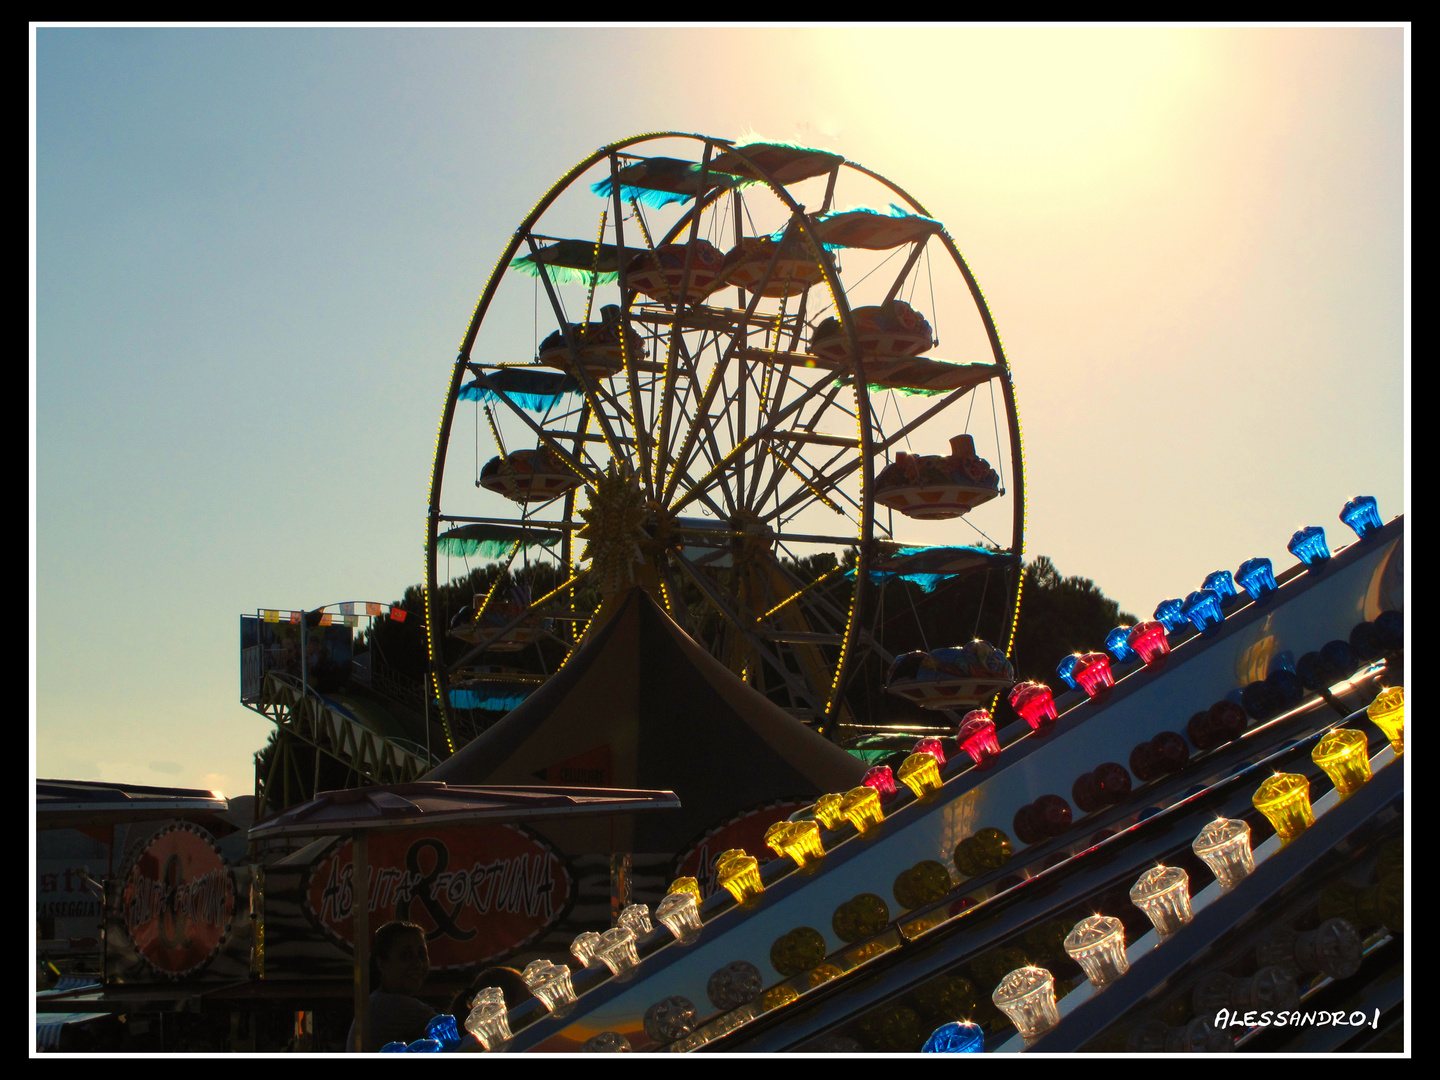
256, 250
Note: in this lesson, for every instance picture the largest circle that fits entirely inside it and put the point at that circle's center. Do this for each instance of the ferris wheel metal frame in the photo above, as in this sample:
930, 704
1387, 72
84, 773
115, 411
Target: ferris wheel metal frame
649, 462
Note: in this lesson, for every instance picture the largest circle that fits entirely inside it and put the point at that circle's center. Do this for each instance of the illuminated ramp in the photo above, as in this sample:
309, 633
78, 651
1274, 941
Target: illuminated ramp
879, 987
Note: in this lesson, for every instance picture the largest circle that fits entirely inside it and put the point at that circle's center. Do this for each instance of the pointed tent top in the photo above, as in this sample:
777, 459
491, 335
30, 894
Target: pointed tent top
642, 705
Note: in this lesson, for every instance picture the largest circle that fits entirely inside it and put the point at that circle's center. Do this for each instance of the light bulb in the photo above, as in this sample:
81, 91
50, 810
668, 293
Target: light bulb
1035, 702
1202, 608
1027, 997
1163, 893
1285, 800
583, 947
740, 873
931, 747
616, 950
489, 1020
1256, 577
882, 780
1344, 754
1171, 614
685, 884
1224, 846
1308, 545
670, 1019
607, 1042
1118, 642
1222, 583
956, 1037
1097, 944
861, 807
920, 774
1387, 712
802, 842
551, 983
636, 918
1093, 673
827, 810
1149, 641
679, 913
1362, 514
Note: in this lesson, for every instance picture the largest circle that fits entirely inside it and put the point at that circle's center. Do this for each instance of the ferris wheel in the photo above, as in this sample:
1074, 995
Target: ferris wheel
713, 369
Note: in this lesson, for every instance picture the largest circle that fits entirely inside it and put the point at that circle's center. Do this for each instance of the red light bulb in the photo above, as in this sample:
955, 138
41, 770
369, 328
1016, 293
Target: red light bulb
1093, 674
1035, 703
882, 780
931, 747
977, 738
1149, 641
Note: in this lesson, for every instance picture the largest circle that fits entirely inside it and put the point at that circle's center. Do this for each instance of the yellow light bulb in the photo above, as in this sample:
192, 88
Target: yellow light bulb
827, 810
861, 807
802, 842
776, 834
685, 884
921, 774
740, 874
1285, 800
1344, 754
1387, 712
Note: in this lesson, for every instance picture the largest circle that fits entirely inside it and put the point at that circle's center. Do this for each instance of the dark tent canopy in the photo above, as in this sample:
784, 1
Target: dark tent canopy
642, 705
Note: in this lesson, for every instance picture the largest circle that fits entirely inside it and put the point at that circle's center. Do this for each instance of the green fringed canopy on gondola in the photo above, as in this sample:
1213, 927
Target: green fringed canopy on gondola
875, 231
660, 181
573, 260
929, 566
492, 541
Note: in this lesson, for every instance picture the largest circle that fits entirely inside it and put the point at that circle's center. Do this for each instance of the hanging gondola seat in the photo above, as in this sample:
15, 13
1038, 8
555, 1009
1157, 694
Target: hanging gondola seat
657, 274
934, 488
525, 476
598, 345
473, 631
956, 678
884, 331
795, 270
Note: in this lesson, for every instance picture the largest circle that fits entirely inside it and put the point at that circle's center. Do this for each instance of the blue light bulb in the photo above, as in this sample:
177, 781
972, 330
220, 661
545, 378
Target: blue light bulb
394, 1048
1222, 584
1066, 670
1308, 545
955, 1038
1171, 613
1362, 515
423, 1046
444, 1030
1202, 608
1256, 577
1118, 642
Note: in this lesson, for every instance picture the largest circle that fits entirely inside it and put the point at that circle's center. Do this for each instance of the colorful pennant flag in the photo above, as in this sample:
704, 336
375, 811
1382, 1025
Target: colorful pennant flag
397, 614
372, 609
347, 609
271, 616
295, 616
325, 619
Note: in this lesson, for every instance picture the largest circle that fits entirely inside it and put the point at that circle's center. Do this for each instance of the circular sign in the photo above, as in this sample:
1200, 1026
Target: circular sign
480, 892
178, 900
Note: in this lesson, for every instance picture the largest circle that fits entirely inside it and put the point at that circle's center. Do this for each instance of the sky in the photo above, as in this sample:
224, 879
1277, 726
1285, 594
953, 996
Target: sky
254, 252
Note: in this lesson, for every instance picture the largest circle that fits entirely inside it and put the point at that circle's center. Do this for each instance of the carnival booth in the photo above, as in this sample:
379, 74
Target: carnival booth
640, 705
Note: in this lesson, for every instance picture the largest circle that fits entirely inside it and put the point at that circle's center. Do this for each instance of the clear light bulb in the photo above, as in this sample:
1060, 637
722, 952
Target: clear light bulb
670, 1019
1027, 997
1224, 846
636, 918
1163, 893
1097, 944
583, 947
551, 983
616, 950
679, 914
607, 1042
489, 1020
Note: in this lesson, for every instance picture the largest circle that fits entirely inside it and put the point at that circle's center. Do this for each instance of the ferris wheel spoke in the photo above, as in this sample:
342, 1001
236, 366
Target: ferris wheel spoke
881, 445
581, 466
742, 621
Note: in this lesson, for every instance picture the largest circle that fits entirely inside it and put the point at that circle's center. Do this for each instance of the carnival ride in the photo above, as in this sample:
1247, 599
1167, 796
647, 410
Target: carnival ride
756, 420
1276, 822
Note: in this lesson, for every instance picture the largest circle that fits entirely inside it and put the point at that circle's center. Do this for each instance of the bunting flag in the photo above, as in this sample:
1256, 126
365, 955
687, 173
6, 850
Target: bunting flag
397, 614
271, 616
325, 619
295, 616
372, 609
347, 609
